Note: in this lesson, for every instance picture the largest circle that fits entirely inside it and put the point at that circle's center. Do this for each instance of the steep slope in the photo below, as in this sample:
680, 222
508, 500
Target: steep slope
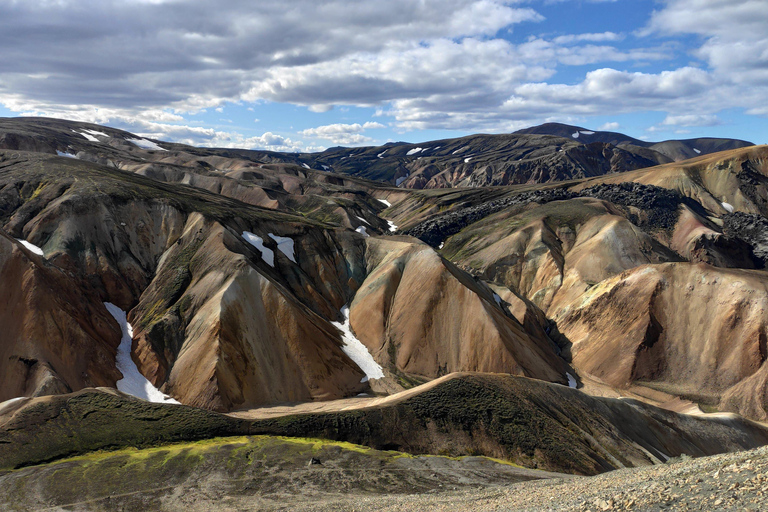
691, 330
56, 336
526, 421
233, 305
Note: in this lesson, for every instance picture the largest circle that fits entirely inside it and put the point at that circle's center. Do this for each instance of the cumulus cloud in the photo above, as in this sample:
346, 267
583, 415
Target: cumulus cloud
430, 64
691, 120
609, 127
349, 134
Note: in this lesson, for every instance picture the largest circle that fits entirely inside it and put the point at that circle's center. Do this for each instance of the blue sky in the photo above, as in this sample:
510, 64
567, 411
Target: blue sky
306, 75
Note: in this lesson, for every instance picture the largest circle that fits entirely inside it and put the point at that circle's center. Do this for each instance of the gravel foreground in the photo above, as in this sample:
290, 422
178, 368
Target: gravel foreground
736, 481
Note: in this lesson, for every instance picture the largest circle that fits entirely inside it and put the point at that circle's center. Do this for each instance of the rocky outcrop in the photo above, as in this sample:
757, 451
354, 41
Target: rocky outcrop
420, 315
57, 336
692, 330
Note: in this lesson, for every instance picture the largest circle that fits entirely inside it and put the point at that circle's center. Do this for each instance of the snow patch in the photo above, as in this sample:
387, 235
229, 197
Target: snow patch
97, 133
361, 230
575, 135
586, 132
466, 160
728, 207
413, 151
305, 166
32, 247
325, 167
398, 181
89, 137
392, 226
146, 144
267, 254
381, 155
497, 299
133, 382
284, 245
571, 380
67, 155
363, 220
356, 351
386, 203
698, 152
442, 244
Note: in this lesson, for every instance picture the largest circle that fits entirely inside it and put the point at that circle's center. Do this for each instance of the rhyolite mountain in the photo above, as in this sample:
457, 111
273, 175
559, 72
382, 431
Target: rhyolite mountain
254, 280
542, 154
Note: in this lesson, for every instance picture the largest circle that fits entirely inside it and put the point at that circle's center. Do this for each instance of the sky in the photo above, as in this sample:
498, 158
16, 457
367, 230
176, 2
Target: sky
305, 75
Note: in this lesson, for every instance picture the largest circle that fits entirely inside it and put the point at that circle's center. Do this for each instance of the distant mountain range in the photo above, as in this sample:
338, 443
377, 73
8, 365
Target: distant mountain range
542, 154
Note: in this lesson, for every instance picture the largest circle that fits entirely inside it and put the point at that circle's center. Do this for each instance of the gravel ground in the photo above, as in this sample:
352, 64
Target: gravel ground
723, 482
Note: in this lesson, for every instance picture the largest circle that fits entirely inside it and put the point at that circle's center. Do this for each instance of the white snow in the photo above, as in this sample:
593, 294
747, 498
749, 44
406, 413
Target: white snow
698, 152
435, 149
267, 254
728, 207
386, 203
398, 181
146, 144
68, 155
325, 167
586, 132
363, 220
381, 155
413, 151
575, 135
133, 382
305, 166
466, 160
97, 133
88, 136
32, 247
571, 380
361, 230
497, 299
392, 227
442, 244
284, 245
356, 351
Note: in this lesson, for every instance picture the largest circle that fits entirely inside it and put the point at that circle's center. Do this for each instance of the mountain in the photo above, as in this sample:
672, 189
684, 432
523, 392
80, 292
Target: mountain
250, 294
547, 153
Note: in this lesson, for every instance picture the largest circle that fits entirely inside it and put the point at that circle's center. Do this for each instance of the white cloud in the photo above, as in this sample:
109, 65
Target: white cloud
593, 37
349, 134
428, 64
609, 127
691, 120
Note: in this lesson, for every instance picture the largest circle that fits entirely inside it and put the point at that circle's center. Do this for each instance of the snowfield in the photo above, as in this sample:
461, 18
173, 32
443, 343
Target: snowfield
362, 231
571, 380
146, 144
66, 155
356, 351
413, 151
284, 245
267, 254
728, 207
32, 247
133, 382
385, 202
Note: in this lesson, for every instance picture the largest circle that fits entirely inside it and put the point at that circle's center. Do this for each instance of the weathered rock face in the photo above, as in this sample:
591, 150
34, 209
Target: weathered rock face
554, 252
419, 314
219, 332
694, 330
56, 336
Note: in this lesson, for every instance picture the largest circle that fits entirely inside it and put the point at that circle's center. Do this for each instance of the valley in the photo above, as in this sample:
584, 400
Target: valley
481, 312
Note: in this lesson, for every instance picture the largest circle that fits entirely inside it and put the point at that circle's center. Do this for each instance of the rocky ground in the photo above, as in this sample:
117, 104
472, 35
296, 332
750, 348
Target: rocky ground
736, 481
